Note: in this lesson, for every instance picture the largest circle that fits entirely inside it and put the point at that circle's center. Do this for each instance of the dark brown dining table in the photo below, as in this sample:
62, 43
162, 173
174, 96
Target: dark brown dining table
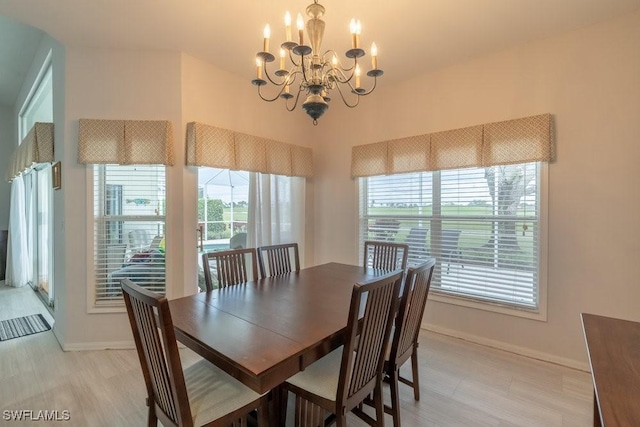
613, 347
265, 331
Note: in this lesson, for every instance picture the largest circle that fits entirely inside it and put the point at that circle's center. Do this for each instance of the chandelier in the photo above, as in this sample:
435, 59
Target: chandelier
315, 74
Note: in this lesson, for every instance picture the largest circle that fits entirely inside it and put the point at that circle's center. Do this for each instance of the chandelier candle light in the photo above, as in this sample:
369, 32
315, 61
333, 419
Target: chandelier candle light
317, 73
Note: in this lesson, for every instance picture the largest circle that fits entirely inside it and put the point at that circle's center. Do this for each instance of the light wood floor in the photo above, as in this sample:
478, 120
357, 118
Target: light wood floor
462, 384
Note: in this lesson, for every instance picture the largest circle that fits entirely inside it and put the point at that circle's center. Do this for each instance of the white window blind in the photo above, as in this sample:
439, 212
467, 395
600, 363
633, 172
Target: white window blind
482, 225
129, 219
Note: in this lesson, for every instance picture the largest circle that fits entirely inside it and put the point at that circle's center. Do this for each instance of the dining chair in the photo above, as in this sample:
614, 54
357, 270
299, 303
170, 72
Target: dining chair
275, 260
404, 342
231, 267
202, 394
385, 255
341, 380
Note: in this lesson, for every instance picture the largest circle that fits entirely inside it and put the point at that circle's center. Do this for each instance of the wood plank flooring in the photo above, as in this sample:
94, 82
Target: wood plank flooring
462, 384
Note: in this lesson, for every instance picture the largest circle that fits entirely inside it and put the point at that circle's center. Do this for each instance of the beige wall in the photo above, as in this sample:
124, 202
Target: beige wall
110, 84
215, 97
105, 84
590, 81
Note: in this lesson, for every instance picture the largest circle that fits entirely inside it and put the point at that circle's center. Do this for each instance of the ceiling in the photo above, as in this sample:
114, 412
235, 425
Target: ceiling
18, 44
413, 37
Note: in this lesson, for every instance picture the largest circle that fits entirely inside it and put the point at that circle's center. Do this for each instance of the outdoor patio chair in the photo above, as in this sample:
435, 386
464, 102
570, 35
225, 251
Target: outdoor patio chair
385, 228
202, 394
450, 239
139, 240
238, 241
232, 267
417, 240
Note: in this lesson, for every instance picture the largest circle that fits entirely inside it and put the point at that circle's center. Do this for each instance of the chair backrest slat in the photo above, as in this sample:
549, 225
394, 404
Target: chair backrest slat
155, 340
278, 259
411, 310
231, 267
385, 255
363, 358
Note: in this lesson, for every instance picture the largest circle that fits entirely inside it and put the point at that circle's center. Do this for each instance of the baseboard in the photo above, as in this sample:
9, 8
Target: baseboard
58, 335
522, 351
109, 345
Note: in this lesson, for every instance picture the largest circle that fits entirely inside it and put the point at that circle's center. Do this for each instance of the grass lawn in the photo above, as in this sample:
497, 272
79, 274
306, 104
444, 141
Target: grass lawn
239, 214
474, 222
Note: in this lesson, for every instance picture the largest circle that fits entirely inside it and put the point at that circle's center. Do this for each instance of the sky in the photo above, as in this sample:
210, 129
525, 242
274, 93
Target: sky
221, 183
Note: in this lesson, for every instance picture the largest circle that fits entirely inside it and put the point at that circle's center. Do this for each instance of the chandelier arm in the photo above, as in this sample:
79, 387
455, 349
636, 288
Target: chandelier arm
345, 100
269, 99
345, 79
375, 82
355, 62
295, 103
266, 73
291, 77
292, 59
339, 64
327, 52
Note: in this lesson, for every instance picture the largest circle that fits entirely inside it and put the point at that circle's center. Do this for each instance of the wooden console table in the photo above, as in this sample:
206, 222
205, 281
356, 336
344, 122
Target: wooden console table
613, 346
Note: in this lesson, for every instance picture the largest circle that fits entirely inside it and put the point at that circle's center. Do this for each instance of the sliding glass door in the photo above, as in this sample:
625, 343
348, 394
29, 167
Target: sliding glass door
38, 189
43, 233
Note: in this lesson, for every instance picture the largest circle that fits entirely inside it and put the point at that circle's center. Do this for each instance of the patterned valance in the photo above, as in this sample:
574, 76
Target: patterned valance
125, 142
528, 139
36, 147
221, 148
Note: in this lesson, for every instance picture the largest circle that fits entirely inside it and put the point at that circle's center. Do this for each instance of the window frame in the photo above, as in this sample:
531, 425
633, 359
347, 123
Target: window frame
93, 305
40, 92
539, 313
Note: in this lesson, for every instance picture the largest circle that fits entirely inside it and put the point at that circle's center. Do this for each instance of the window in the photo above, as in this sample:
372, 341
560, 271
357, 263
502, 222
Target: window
39, 104
129, 225
482, 225
249, 209
223, 204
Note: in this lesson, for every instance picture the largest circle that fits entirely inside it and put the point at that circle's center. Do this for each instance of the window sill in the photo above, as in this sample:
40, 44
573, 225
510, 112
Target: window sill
115, 307
539, 315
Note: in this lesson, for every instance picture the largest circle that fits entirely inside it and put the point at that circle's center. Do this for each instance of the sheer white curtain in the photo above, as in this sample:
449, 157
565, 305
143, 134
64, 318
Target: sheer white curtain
18, 257
276, 210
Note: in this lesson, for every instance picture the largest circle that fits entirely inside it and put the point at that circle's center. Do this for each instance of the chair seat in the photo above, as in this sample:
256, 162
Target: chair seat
214, 393
321, 377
